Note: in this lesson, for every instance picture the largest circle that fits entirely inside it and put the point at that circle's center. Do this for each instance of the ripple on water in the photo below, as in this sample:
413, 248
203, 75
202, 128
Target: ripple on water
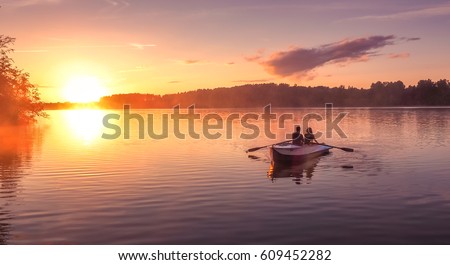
206, 192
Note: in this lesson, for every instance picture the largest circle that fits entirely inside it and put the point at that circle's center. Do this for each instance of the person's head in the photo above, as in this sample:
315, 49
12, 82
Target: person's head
309, 130
297, 128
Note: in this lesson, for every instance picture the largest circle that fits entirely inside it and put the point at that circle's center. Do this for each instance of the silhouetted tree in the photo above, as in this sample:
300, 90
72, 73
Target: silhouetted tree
19, 99
387, 93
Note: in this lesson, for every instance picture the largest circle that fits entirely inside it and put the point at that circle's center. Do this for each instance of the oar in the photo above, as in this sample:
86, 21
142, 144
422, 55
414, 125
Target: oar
346, 149
261, 147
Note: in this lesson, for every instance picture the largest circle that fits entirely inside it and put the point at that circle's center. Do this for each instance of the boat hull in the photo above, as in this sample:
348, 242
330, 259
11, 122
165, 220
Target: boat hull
294, 154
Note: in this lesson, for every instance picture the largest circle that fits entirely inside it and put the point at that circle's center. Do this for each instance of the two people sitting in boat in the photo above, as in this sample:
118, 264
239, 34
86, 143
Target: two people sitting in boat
299, 139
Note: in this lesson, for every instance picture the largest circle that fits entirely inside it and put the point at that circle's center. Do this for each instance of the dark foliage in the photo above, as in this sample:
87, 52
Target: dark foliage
380, 94
19, 99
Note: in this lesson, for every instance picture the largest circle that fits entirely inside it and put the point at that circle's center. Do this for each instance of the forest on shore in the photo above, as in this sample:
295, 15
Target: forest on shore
380, 94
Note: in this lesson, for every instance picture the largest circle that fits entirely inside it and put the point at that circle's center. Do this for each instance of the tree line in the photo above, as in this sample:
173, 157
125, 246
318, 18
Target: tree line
380, 94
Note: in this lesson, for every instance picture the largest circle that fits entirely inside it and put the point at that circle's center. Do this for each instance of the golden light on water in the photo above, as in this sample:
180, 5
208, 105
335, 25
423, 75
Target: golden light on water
85, 125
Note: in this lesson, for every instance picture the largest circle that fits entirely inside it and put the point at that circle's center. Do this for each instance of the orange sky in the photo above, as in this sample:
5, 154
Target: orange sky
165, 47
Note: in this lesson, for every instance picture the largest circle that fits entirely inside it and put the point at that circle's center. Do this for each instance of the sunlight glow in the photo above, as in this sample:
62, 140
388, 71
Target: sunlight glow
84, 89
85, 124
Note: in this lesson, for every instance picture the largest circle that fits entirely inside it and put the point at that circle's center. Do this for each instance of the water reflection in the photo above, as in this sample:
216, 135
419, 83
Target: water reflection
435, 120
300, 173
85, 125
16, 150
145, 191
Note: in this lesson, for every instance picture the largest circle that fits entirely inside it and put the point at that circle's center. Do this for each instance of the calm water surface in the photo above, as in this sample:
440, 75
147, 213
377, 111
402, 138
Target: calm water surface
60, 183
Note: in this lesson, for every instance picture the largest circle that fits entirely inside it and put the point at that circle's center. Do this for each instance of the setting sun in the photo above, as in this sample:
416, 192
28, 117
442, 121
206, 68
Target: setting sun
84, 89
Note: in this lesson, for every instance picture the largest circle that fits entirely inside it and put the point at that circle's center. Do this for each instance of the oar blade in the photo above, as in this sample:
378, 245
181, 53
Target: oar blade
346, 149
254, 149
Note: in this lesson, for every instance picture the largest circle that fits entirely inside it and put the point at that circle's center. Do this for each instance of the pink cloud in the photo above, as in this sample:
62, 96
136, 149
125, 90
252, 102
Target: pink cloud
399, 55
191, 61
299, 61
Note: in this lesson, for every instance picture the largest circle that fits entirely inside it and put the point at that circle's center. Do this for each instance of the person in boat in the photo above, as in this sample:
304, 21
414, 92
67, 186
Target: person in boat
297, 136
309, 136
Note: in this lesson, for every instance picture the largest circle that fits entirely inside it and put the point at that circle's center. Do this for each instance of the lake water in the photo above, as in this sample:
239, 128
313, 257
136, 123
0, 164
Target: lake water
61, 183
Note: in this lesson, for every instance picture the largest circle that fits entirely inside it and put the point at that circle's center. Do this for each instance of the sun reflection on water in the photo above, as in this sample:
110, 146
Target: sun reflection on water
85, 125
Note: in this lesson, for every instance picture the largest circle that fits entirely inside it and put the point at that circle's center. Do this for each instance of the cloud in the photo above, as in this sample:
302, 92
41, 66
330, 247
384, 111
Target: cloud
190, 61
253, 58
299, 61
27, 3
433, 11
141, 46
30, 51
411, 39
174, 82
135, 69
403, 55
113, 8
118, 3
200, 62
100, 46
256, 57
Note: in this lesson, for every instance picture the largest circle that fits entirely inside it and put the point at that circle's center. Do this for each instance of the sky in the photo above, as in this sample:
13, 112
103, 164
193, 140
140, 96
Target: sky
162, 47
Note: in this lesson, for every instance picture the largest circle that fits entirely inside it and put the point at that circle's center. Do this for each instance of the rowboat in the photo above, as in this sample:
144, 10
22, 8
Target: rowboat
290, 153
